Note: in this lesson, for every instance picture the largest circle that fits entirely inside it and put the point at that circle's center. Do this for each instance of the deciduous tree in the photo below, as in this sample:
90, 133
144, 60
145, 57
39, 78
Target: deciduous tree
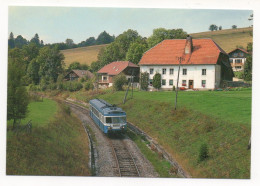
161, 34
135, 52
51, 62
17, 96
213, 27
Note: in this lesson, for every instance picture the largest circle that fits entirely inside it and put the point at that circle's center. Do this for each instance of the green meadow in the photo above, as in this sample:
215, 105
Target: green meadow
221, 119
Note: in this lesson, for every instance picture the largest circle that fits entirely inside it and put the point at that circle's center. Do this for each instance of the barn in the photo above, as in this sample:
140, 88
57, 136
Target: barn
77, 74
108, 72
203, 64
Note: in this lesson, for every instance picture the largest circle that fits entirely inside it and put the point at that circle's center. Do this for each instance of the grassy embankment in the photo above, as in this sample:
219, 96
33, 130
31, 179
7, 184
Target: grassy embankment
84, 55
228, 39
57, 145
222, 120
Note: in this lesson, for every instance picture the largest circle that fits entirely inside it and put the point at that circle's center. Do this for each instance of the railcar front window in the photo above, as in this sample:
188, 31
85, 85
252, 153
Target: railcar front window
119, 119
108, 120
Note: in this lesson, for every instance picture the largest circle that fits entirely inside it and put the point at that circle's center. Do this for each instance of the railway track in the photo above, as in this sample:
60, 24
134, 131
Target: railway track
125, 163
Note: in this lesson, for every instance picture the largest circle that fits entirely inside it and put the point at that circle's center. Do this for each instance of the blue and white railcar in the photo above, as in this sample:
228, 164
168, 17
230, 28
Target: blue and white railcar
107, 117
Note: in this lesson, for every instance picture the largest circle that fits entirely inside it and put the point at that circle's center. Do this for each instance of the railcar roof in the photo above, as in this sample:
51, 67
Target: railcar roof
106, 108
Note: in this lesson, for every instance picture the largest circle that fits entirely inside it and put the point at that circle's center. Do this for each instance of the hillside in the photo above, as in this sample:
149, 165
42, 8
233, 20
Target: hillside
84, 55
228, 39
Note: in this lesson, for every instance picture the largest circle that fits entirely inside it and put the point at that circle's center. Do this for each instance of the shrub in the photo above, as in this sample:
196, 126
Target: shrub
119, 81
33, 87
203, 152
89, 85
239, 75
72, 86
173, 88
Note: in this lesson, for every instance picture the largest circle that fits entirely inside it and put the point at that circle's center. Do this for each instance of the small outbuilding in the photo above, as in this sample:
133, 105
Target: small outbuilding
77, 74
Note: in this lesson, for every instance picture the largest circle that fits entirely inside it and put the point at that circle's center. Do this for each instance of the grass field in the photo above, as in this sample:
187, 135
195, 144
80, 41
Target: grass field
84, 55
221, 119
57, 145
228, 39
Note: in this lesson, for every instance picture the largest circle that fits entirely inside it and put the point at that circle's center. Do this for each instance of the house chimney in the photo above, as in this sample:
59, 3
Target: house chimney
188, 45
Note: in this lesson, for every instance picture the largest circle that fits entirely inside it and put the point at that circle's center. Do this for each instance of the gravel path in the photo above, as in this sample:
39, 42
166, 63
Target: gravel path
106, 163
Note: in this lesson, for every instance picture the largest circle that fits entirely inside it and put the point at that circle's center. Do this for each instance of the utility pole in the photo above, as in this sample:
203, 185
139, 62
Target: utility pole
132, 78
129, 83
176, 90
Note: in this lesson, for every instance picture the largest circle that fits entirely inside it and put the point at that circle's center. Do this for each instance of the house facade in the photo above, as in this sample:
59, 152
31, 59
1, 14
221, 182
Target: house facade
203, 64
108, 72
237, 59
77, 74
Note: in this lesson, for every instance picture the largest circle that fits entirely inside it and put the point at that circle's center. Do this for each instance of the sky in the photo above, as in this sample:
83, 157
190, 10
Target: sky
56, 24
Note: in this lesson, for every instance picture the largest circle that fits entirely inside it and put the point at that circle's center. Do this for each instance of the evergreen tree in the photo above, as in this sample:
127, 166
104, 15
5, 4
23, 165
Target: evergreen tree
157, 81
35, 40
144, 80
11, 40
248, 63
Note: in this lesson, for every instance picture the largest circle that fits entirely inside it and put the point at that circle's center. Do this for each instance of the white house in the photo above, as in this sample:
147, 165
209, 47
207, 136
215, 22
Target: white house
237, 59
203, 66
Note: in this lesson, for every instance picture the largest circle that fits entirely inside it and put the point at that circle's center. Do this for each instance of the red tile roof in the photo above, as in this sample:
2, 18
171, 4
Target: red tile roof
205, 51
116, 67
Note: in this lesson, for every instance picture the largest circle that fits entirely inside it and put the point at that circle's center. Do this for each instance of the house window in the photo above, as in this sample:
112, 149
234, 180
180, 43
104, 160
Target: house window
151, 82
204, 71
241, 54
231, 60
151, 70
238, 67
235, 54
104, 78
171, 71
164, 71
171, 82
238, 61
203, 83
163, 82
183, 82
184, 71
